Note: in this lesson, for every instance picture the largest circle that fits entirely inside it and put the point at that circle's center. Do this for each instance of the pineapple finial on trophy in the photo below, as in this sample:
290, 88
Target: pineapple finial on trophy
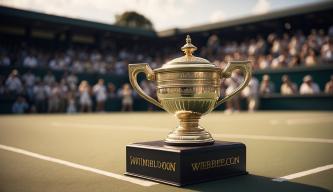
188, 48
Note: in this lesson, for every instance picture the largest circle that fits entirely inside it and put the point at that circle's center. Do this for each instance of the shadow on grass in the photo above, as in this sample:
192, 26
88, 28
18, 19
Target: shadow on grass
256, 183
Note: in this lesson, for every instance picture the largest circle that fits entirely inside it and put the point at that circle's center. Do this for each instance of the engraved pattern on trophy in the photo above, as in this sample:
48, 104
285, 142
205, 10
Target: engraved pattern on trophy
188, 87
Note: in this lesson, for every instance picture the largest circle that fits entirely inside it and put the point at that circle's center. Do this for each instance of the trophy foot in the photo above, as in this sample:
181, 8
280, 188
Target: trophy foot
189, 133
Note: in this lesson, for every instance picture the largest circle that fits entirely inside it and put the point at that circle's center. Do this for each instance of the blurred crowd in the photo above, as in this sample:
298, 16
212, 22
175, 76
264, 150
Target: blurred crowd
266, 87
46, 94
273, 51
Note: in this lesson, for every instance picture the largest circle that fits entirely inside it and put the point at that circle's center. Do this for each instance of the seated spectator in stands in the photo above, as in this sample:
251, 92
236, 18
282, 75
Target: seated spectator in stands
20, 106
287, 87
232, 83
120, 68
294, 61
5, 60
99, 91
85, 96
127, 99
30, 61
279, 62
29, 80
251, 93
329, 86
71, 104
148, 89
77, 66
54, 63
309, 87
72, 81
213, 44
13, 83
264, 61
54, 99
276, 47
311, 59
63, 92
111, 90
327, 50
49, 78
40, 93
266, 86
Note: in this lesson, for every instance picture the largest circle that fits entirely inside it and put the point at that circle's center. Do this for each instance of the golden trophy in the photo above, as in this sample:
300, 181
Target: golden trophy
188, 87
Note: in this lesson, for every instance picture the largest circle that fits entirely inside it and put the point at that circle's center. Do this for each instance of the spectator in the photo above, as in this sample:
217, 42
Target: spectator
309, 87
72, 81
251, 93
30, 61
5, 60
20, 106
111, 90
327, 50
294, 61
13, 83
71, 107
147, 88
329, 86
266, 86
264, 62
279, 62
40, 96
232, 83
49, 78
287, 87
54, 99
63, 95
29, 80
85, 96
311, 59
127, 100
99, 91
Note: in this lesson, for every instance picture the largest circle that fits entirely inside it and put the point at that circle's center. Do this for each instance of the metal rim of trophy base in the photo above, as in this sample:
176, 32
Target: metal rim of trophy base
190, 144
188, 139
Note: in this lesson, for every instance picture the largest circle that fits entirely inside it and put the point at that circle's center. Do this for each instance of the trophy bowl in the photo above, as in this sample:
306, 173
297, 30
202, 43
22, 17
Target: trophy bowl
188, 87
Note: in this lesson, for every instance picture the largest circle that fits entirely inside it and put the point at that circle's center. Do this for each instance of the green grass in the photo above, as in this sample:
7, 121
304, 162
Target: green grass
99, 140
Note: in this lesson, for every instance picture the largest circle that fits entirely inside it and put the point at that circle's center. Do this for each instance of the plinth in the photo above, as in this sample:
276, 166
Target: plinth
181, 166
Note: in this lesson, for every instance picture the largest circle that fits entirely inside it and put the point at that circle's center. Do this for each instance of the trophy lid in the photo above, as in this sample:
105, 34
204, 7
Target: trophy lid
188, 61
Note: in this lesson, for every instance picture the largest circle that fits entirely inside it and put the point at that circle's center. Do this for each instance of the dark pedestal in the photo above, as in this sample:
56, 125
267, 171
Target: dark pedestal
181, 166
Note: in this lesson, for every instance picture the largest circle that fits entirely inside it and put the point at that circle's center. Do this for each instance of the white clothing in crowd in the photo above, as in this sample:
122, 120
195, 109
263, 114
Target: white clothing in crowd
251, 92
100, 92
307, 88
30, 61
233, 82
14, 84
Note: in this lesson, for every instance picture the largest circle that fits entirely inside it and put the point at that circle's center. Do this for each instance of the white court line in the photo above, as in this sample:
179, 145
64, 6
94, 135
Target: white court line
276, 138
109, 126
151, 129
78, 166
309, 121
304, 173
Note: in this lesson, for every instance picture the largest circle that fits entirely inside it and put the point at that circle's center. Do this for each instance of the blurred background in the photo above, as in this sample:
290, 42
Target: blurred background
72, 56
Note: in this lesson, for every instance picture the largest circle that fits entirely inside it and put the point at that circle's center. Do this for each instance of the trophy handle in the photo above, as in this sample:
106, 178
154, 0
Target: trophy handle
134, 70
245, 68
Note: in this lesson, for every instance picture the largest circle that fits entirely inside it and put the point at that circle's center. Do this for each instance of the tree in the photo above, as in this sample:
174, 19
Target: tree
134, 19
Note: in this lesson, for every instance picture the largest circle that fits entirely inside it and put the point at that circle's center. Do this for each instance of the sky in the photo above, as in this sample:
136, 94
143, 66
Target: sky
165, 14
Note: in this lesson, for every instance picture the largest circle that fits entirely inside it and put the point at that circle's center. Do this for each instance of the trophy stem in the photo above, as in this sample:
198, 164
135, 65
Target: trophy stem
189, 132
